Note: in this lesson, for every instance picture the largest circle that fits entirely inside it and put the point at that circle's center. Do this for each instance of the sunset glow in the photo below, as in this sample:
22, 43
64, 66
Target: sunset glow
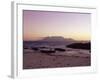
39, 24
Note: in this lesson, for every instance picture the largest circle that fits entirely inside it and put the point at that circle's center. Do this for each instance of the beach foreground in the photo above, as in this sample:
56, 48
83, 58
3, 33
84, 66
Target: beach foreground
33, 60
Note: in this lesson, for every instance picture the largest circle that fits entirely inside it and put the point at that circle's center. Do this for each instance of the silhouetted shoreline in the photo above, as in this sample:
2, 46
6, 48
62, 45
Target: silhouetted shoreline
80, 46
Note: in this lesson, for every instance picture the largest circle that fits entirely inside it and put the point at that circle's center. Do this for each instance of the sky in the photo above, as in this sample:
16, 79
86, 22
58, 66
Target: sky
40, 24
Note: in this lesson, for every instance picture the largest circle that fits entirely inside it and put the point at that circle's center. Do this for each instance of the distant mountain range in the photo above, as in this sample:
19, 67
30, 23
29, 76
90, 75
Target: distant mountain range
53, 41
57, 39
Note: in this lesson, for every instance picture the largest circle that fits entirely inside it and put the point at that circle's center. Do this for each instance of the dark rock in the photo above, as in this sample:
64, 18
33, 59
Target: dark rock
35, 48
86, 46
25, 47
43, 47
59, 49
47, 51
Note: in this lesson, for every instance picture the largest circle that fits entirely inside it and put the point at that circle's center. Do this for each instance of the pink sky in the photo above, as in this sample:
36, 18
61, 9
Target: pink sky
39, 24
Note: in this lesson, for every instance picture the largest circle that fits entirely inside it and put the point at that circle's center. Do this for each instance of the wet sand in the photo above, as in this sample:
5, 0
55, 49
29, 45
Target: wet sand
35, 60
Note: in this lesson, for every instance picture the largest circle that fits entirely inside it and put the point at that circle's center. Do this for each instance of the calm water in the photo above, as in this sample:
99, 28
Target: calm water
43, 43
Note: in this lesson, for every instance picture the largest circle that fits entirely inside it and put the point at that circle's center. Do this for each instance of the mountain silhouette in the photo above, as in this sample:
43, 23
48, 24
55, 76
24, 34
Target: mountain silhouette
57, 39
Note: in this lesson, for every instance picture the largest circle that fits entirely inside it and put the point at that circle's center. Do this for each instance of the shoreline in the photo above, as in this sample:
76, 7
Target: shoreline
35, 60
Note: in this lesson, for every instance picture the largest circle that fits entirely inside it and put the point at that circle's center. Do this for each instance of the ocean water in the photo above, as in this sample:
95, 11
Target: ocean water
69, 51
43, 43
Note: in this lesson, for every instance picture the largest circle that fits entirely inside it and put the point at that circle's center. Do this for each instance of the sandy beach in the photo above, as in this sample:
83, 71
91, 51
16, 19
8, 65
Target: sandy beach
34, 60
